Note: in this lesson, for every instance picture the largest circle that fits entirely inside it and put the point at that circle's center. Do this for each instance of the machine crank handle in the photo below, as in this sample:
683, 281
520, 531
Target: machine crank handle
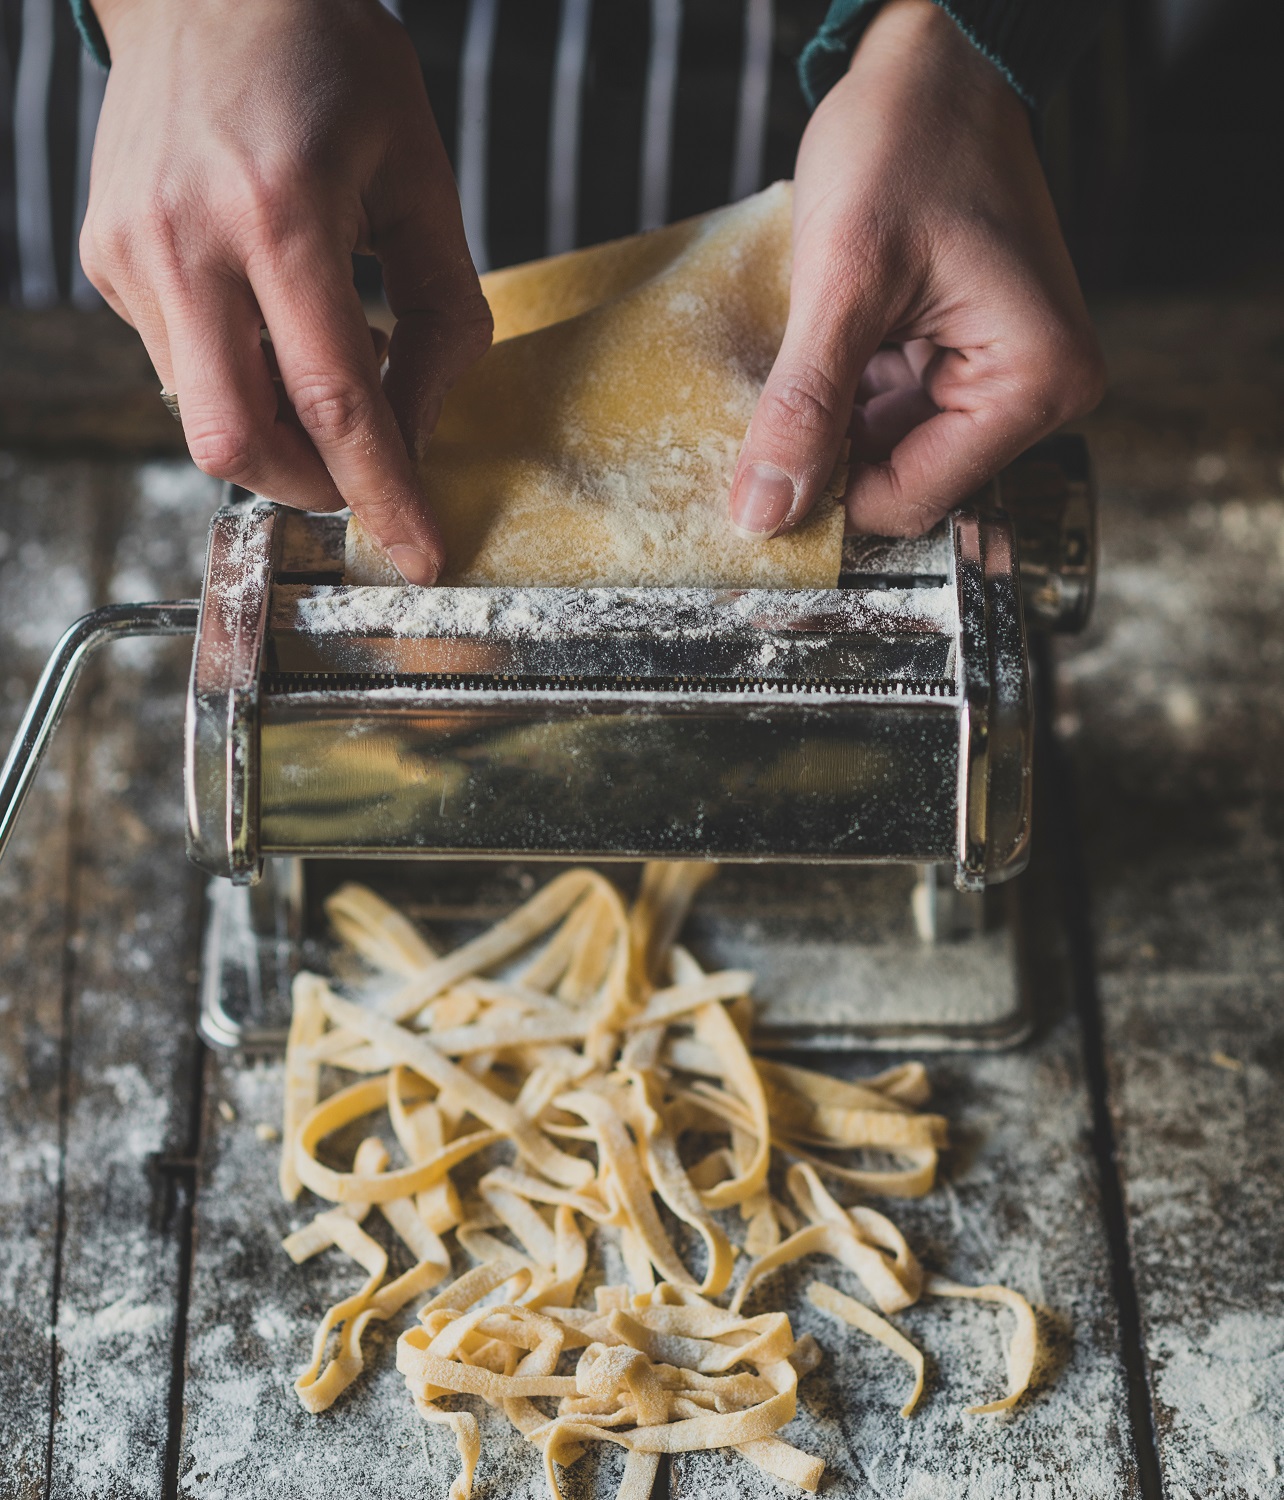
112, 622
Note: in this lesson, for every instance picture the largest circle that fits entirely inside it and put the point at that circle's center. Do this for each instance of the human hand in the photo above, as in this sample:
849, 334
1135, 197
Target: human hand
934, 313
244, 152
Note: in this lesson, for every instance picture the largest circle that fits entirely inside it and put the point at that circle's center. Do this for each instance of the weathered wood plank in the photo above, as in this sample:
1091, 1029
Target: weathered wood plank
132, 1051
1175, 718
46, 537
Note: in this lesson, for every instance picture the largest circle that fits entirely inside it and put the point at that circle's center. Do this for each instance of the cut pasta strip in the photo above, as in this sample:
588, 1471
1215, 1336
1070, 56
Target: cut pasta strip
377, 931
827, 1299
508, 937
619, 1156
681, 999
467, 1443
343, 1187
864, 1241
1022, 1351
784, 1461
302, 1072
571, 1171
319, 1233
665, 894
671, 1182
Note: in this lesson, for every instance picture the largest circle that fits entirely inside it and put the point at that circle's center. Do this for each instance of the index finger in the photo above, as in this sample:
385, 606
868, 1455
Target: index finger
331, 375
991, 405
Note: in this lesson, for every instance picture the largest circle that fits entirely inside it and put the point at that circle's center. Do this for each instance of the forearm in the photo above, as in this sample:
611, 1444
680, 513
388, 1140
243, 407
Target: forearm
1033, 43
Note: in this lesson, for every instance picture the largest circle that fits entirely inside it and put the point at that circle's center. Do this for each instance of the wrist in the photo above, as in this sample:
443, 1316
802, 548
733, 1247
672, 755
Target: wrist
923, 29
118, 18
919, 47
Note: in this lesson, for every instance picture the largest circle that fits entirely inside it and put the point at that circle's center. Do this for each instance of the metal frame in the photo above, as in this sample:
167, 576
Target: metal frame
222, 730
113, 622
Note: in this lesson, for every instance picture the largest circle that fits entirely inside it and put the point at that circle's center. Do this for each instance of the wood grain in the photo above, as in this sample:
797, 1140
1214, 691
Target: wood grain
1173, 712
45, 562
131, 1043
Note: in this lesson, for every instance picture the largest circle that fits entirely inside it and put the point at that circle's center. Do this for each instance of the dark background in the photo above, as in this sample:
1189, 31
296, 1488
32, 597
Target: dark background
1164, 150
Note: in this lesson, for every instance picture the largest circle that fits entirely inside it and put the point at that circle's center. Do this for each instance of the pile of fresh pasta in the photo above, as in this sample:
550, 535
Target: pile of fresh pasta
593, 1076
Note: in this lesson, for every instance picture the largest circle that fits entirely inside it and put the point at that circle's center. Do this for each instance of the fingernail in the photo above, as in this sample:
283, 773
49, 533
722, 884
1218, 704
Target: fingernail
763, 499
413, 565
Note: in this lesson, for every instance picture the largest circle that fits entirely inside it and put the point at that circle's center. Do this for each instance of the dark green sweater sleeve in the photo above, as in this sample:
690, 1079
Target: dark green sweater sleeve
90, 31
1032, 42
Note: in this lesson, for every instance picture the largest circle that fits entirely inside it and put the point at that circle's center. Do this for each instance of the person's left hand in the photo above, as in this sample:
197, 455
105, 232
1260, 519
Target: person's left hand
935, 317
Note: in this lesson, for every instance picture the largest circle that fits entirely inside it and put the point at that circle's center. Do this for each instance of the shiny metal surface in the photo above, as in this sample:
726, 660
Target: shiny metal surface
250, 951
1011, 711
1050, 493
608, 774
222, 731
612, 723
825, 725
967, 566
885, 720
112, 622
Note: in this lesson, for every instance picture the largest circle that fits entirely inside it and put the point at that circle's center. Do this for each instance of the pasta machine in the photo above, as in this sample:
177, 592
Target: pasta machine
888, 721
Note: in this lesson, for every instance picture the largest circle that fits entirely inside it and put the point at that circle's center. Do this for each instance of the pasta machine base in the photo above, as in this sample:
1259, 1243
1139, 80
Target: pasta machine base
846, 956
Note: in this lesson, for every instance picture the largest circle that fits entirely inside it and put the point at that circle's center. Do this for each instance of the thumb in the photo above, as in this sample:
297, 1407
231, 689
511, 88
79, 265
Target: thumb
801, 420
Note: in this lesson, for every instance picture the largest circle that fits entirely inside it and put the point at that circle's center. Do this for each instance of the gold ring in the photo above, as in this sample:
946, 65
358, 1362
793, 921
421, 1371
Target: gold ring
170, 398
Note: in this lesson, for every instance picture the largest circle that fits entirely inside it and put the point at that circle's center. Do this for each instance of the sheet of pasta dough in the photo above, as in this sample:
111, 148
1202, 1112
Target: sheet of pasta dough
594, 444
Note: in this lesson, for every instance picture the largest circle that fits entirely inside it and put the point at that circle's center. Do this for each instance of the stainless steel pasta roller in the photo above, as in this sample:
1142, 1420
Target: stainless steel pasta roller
888, 721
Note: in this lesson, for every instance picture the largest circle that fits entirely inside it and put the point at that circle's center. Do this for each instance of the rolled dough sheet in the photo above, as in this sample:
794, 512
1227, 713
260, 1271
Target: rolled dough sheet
594, 444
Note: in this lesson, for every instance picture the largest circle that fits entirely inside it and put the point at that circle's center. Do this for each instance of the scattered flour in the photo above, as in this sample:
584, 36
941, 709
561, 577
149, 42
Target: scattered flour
118, 1319
1224, 1392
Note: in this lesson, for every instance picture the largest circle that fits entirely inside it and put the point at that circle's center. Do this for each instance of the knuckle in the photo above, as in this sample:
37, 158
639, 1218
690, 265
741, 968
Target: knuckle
918, 517
476, 321
222, 449
1068, 377
257, 210
159, 225
106, 240
802, 405
1085, 381
89, 260
332, 412
263, 199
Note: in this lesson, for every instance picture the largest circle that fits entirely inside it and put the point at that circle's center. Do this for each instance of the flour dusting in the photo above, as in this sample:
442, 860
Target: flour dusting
1225, 1389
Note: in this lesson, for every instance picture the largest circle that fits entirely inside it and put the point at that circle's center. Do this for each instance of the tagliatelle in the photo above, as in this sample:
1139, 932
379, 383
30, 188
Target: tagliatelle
584, 1053
377, 931
827, 1299
1023, 1351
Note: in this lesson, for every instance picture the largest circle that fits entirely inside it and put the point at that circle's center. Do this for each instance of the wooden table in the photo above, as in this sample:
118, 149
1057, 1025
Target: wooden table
1124, 1168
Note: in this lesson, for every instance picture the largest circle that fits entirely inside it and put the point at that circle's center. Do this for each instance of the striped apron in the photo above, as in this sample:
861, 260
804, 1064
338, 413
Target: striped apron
568, 121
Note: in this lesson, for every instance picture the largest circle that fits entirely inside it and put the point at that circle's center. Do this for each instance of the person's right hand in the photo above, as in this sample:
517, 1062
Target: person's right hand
244, 152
